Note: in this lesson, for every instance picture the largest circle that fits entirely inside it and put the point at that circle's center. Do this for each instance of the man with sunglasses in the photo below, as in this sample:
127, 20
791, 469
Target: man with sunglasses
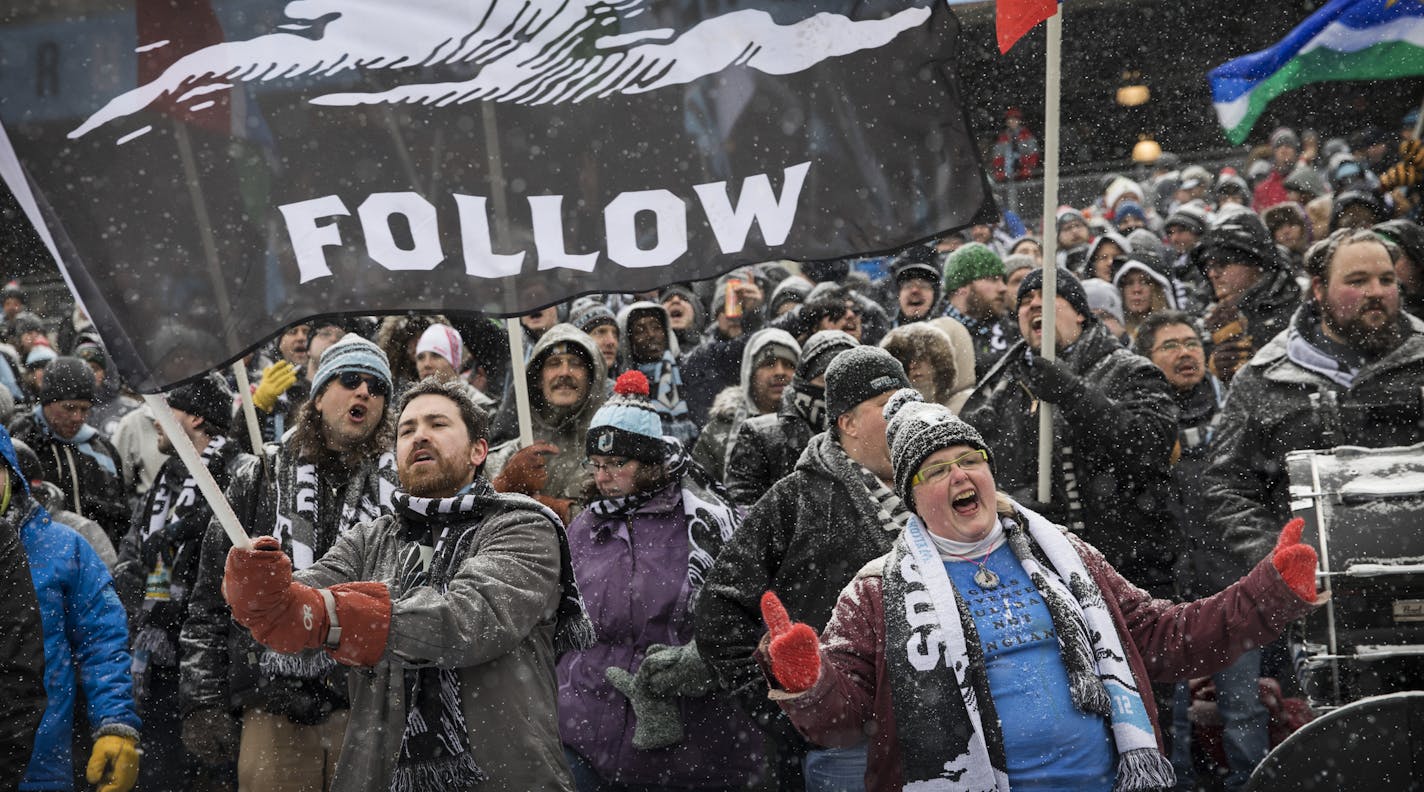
335, 470
805, 539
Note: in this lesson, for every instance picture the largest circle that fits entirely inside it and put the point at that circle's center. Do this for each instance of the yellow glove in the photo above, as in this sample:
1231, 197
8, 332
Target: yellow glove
276, 379
113, 767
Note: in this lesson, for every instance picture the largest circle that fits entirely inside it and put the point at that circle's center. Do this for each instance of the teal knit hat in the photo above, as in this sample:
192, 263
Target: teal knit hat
969, 263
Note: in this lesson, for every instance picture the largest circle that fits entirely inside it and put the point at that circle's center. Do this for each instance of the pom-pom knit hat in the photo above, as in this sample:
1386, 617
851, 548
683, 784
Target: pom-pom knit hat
627, 425
916, 429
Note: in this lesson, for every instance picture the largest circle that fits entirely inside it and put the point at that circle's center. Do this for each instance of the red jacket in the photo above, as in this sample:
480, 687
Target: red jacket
1271, 191
1165, 641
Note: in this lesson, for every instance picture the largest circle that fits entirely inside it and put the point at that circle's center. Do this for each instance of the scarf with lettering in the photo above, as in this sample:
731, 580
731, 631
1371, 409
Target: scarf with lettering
949, 732
711, 517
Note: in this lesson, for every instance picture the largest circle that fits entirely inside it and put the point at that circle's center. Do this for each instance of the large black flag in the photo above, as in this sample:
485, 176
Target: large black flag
210, 172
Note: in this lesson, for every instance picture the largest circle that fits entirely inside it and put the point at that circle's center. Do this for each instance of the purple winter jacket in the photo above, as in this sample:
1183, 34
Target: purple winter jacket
632, 573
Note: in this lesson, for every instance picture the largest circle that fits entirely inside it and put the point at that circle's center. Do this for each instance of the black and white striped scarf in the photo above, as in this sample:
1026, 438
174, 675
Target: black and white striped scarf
435, 746
949, 732
711, 517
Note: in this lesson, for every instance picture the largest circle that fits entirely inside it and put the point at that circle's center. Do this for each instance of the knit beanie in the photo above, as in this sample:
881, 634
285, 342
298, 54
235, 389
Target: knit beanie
969, 263
207, 397
792, 290
1102, 296
590, 315
352, 353
915, 429
858, 375
1128, 209
1189, 216
820, 349
67, 378
627, 425
773, 349
916, 261
1068, 214
1017, 262
444, 341
90, 352
1069, 288
40, 355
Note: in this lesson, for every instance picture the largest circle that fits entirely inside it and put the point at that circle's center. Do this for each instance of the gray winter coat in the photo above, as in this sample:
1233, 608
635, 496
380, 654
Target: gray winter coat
1277, 405
495, 625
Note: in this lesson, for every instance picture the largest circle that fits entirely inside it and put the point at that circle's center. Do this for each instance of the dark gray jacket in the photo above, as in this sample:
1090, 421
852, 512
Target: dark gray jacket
1116, 443
1277, 405
767, 449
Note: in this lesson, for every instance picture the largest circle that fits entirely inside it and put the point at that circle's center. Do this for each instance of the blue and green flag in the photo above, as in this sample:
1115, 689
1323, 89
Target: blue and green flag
1345, 40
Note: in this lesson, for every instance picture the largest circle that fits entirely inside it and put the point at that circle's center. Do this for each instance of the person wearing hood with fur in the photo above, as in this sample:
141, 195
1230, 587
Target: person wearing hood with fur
649, 345
85, 638
768, 364
767, 447
1114, 425
639, 708
805, 538
927, 354
992, 649
1145, 291
567, 384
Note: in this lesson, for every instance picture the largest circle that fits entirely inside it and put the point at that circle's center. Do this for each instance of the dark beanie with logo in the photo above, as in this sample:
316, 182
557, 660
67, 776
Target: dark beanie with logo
65, 379
208, 398
860, 374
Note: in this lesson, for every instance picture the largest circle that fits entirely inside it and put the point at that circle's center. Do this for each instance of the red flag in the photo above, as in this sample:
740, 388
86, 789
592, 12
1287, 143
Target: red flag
1014, 18
168, 30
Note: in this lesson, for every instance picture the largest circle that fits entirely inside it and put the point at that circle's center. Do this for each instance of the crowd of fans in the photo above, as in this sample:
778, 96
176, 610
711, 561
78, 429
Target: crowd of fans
586, 611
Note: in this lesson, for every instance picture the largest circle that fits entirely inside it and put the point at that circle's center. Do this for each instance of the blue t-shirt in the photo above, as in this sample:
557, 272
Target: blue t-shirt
1048, 743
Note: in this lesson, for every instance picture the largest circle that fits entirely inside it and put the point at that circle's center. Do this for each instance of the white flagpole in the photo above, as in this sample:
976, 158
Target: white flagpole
1052, 79
501, 231
200, 473
249, 412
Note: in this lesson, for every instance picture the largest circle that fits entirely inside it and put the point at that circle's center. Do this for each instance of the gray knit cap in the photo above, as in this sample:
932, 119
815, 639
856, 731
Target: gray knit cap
352, 353
860, 374
916, 429
820, 349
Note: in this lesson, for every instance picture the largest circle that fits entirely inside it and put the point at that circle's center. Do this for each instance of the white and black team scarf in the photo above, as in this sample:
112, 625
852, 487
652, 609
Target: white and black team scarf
367, 495
435, 749
890, 511
711, 517
176, 517
809, 402
947, 727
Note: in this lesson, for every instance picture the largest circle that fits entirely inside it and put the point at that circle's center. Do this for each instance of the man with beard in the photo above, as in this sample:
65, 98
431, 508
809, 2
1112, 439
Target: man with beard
1347, 371
768, 363
334, 471
767, 447
158, 567
567, 385
1114, 423
455, 608
978, 299
1171, 341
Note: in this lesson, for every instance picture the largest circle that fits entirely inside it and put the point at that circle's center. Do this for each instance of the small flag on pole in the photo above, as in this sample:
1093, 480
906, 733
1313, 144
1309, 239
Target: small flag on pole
1014, 18
1345, 40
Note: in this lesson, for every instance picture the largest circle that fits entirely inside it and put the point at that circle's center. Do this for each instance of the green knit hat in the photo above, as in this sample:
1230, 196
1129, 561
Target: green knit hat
969, 263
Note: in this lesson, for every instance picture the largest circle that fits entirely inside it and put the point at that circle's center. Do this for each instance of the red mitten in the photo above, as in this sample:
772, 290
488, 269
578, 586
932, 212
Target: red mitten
795, 649
364, 612
285, 616
1295, 561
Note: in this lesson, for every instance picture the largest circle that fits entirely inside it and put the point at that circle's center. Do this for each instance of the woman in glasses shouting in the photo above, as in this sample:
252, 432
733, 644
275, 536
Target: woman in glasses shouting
639, 709
991, 649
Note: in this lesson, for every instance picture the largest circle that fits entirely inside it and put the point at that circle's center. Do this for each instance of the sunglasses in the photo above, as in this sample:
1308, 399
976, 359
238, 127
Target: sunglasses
351, 380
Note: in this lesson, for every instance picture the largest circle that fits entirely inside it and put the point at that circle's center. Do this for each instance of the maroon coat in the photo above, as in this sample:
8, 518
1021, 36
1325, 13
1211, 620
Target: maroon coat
1164, 641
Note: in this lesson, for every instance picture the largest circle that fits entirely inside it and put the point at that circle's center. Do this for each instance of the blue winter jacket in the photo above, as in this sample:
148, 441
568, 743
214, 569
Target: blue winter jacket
85, 638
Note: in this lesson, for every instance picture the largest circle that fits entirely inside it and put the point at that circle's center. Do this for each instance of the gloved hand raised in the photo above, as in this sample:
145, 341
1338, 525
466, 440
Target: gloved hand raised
1295, 561
527, 470
276, 379
1052, 381
795, 650
113, 765
292, 617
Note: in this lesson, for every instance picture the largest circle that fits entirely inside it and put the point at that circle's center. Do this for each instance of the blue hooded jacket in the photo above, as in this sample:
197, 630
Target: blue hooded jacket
85, 636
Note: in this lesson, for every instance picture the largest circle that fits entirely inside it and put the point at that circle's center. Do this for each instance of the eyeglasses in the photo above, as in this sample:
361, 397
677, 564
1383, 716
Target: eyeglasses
351, 380
968, 462
1177, 346
615, 466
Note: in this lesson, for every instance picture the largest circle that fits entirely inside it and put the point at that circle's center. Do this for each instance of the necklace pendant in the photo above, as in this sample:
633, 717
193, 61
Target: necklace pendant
986, 578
